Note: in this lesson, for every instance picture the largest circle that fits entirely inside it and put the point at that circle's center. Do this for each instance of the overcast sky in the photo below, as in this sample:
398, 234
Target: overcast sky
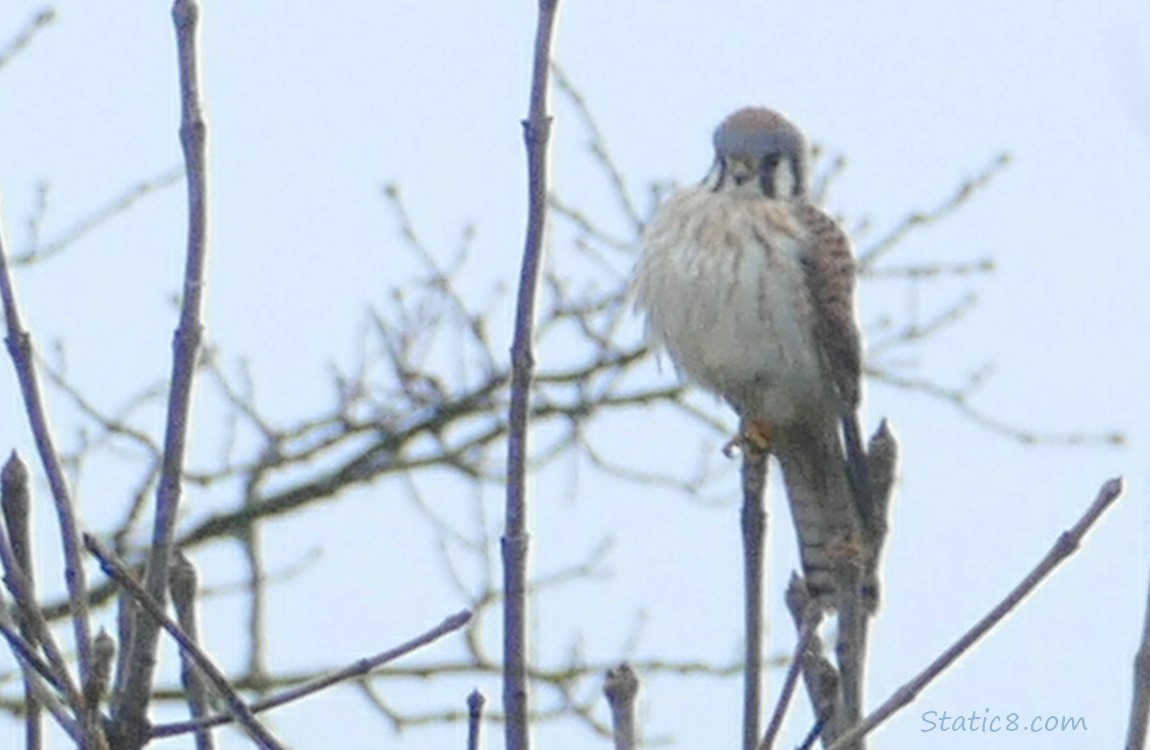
312, 108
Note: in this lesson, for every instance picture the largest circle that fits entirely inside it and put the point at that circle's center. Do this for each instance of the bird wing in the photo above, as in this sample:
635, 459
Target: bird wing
829, 268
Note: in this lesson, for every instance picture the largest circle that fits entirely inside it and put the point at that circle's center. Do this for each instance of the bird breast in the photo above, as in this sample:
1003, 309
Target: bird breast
723, 290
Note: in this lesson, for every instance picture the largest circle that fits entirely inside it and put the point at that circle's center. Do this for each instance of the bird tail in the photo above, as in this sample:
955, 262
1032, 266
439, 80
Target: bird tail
822, 498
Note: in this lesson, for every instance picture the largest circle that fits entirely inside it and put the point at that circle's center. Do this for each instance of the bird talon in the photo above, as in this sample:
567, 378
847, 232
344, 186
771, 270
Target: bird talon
754, 435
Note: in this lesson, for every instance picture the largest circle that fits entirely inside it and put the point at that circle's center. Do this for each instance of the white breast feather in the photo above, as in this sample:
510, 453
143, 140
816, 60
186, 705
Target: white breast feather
735, 318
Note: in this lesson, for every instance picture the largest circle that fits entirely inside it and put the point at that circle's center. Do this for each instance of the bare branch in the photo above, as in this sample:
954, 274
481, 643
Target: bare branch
915, 331
918, 271
475, 701
1066, 544
37, 672
130, 709
14, 502
536, 135
599, 150
19, 343
1140, 700
753, 522
621, 686
959, 399
239, 710
183, 584
99, 217
95, 688
882, 456
917, 219
819, 676
38, 22
810, 620
360, 668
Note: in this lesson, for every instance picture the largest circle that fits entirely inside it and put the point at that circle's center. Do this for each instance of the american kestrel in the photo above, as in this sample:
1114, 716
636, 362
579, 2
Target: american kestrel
749, 287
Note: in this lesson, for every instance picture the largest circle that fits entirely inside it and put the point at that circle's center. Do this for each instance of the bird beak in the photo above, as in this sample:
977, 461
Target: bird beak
743, 168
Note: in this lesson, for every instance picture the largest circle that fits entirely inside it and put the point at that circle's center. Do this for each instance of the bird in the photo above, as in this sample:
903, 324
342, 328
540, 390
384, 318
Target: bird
748, 286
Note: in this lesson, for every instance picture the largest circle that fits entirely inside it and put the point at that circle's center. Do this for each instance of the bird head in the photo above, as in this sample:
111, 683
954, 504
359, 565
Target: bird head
760, 152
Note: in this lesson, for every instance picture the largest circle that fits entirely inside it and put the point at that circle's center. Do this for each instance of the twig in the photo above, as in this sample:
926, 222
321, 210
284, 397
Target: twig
536, 134
851, 643
97, 218
753, 522
917, 219
857, 583
915, 330
598, 146
829, 170
26, 653
882, 457
32, 618
1140, 700
621, 687
475, 701
812, 736
14, 502
360, 668
133, 702
978, 267
1066, 544
36, 670
19, 343
183, 584
96, 687
819, 675
42, 19
810, 620
958, 398
239, 710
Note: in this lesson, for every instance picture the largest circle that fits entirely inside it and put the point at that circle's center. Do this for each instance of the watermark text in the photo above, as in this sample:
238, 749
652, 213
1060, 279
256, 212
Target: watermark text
986, 722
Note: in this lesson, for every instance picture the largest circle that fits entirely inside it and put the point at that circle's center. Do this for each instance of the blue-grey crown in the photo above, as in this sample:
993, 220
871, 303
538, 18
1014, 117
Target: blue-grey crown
763, 133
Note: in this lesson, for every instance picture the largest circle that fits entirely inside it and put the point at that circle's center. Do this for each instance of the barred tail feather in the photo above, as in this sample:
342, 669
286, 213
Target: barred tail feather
821, 499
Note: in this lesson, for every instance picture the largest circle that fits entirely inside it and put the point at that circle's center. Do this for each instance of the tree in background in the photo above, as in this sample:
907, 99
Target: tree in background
429, 395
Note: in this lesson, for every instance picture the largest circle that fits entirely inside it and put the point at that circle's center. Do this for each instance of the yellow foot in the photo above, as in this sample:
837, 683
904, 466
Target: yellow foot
754, 435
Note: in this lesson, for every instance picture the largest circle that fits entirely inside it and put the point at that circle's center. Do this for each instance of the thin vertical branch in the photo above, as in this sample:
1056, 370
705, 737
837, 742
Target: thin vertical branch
1140, 700
819, 676
621, 687
19, 343
14, 502
857, 582
475, 701
256, 585
33, 619
183, 583
882, 457
145, 635
850, 646
536, 134
753, 523
810, 620
96, 687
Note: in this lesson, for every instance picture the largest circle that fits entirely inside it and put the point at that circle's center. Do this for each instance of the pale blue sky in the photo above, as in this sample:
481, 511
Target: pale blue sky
312, 108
